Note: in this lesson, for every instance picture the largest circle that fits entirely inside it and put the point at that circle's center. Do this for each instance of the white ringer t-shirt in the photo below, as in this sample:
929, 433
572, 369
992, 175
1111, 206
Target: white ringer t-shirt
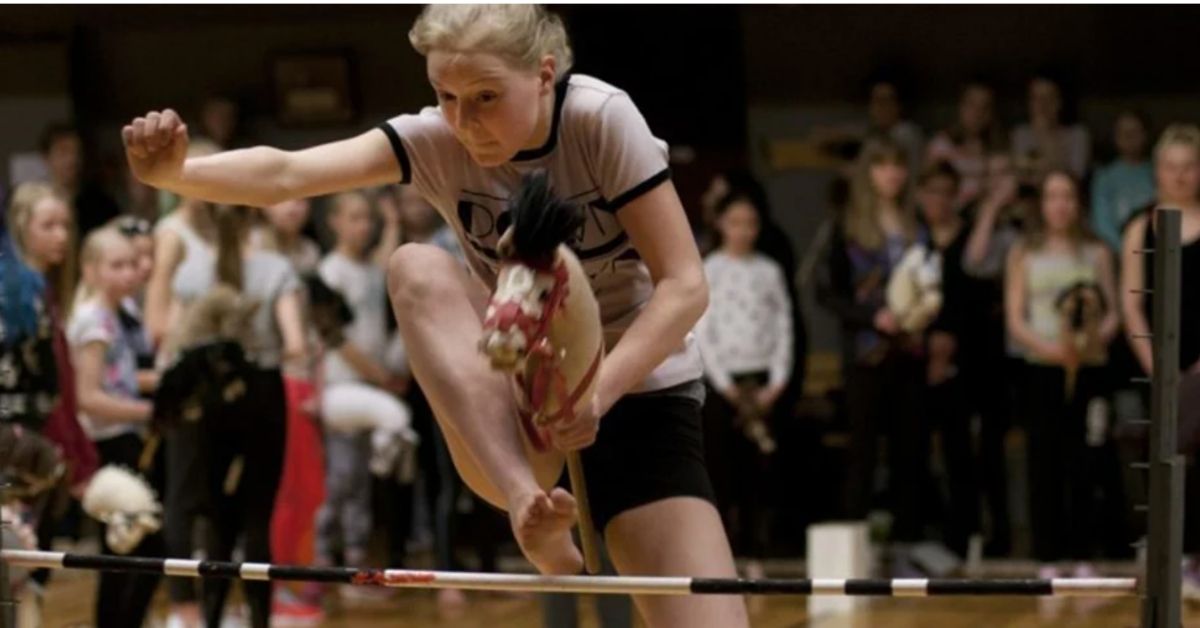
601, 155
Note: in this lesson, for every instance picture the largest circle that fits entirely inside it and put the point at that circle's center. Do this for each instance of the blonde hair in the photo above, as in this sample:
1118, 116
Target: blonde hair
94, 247
233, 224
860, 223
522, 34
25, 198
1179, 135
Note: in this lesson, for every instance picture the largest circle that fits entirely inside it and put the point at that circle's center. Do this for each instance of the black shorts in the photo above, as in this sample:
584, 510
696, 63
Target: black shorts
650, 447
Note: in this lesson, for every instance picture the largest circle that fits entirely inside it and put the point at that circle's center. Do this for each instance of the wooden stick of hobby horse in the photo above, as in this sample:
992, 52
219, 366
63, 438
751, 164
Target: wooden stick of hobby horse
587, 530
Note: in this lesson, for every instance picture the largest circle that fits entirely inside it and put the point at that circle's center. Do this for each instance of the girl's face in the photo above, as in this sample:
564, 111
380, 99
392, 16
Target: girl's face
352, 223
888, 178
1045, 101
143, 250
937, 199
289, 217
1060, 203
1130, 137
739, 226
883, 107
65, 158
1177, 172
975, 110
495, 110
48, 233
115, 272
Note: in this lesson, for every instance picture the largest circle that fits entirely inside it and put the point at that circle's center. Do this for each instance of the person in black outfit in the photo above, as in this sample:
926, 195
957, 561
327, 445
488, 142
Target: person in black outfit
989, 370
1177, 175
948, 340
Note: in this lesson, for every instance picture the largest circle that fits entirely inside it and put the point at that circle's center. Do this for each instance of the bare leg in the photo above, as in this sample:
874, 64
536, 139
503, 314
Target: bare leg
679, 536
438, 311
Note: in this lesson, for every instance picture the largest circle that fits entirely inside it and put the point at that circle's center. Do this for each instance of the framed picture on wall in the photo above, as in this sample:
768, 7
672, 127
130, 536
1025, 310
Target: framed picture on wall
314, 88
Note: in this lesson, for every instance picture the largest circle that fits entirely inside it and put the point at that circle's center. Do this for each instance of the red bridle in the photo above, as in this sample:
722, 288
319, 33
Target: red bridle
504, 316
546, 372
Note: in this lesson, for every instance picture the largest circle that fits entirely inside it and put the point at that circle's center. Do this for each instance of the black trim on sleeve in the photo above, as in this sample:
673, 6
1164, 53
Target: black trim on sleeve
638, 190
560, 96
401, 153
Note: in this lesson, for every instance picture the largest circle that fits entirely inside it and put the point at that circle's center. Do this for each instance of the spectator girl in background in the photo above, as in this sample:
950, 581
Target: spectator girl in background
187, 235
1047, 141
967, 144
356, 381
111, 408
772, 241
62, 148
948, 353
883, 372
41, 231
301, 490
1060, 307
220, 121
995, 225
30, 389
248, 439
884, 122
1177, 174
746, 344
1126, 184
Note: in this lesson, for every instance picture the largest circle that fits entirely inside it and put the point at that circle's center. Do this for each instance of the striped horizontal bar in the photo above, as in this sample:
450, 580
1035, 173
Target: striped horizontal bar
919, 587
631, 585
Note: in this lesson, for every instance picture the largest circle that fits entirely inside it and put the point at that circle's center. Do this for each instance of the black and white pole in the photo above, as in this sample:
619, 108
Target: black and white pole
1161, 604
628, 585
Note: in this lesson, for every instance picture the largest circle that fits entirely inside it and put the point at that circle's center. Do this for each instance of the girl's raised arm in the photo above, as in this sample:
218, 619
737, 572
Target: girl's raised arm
156, 148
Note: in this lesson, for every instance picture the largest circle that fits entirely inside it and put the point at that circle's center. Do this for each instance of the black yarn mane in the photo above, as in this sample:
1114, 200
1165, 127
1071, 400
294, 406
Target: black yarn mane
541, 221
1076, 291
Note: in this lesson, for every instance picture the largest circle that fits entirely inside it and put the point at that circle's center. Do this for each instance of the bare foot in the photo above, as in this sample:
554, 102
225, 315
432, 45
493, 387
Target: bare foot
542, 524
